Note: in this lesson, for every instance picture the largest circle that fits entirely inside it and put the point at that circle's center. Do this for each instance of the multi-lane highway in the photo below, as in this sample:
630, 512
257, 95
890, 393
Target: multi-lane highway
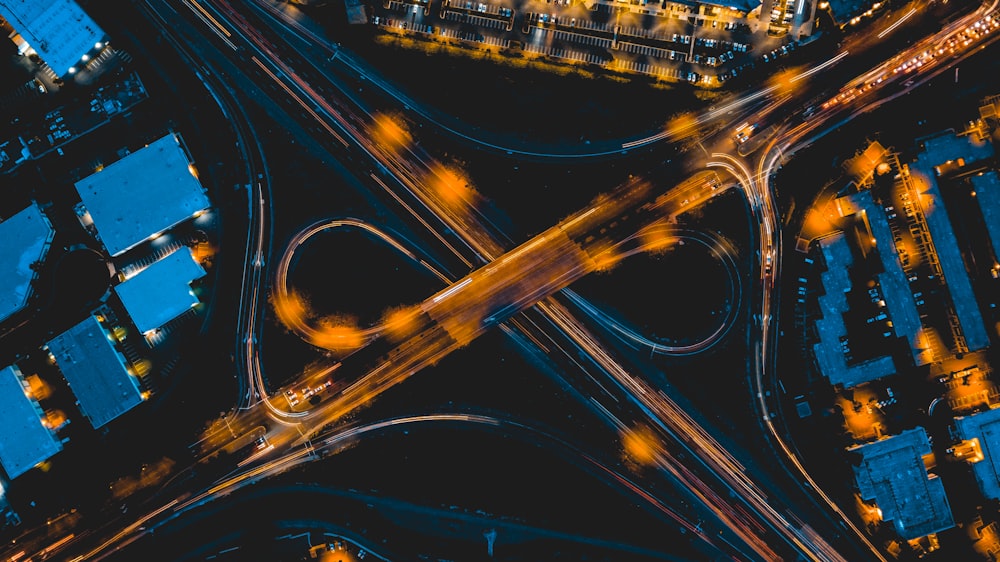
892, 78
768, 252
505, 282
163, 516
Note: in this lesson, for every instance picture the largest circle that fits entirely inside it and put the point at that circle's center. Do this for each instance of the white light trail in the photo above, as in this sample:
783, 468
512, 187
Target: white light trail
816, 69
579, 218
452, 290
889, 29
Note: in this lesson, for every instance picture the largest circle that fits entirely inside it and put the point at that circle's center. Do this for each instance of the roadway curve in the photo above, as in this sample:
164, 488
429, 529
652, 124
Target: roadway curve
291, 311
251, 382
769, 254
169, 513
760, 192
682, 127
722, 251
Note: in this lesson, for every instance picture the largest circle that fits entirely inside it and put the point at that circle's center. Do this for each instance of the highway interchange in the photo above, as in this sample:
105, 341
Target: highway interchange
741, 515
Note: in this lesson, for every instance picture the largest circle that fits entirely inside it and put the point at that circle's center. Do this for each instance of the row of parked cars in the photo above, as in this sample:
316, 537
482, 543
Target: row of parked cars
722, 51
778, 52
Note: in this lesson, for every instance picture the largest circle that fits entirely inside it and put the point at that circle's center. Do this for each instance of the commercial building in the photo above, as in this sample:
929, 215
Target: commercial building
982, 430
940, 154
161, 292
26, 237
141, 196
59, 31
893, 474
830, 352
25, 440
96, 371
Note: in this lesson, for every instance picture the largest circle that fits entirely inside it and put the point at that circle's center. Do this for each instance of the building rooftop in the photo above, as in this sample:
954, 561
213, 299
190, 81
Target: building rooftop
946, 147
95, 371
161, 292
832, 331
844, 10
745, 6
58, 30
895, 286
985, 427
987, 188
938, 151
142, 195
862, 165
893, 475
24, 441
26, 237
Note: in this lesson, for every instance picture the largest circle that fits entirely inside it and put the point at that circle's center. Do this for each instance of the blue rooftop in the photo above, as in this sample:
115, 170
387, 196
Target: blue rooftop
739, 5
161, 292
844, 10
937, 151
59, 30
832, 331
24, 440
895, 287
985, 427
26, 237
142, 195
987, 188
95, 371
893, 475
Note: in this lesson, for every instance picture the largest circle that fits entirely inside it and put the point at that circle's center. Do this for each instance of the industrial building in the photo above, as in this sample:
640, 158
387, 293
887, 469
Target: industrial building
141, 196
893, 474
26, 237
161, 292
25, 440
58, 31
96, 371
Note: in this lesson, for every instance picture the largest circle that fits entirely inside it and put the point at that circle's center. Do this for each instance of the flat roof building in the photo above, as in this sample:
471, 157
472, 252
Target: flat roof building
892, 473
95, 371
161, 292
984, 427
743, 7
946, 150
895, 286
26, 237
25, 440
832, 331
987, 188
143, 195
862, 165
843, 10
62, 34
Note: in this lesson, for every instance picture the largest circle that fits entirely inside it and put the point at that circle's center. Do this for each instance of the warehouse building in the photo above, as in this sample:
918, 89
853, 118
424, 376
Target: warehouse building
142, 196
58, 31
96, 371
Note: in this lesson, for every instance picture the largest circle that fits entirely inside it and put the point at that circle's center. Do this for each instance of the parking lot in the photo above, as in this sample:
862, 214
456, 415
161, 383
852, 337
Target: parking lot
863, 417
667, 41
